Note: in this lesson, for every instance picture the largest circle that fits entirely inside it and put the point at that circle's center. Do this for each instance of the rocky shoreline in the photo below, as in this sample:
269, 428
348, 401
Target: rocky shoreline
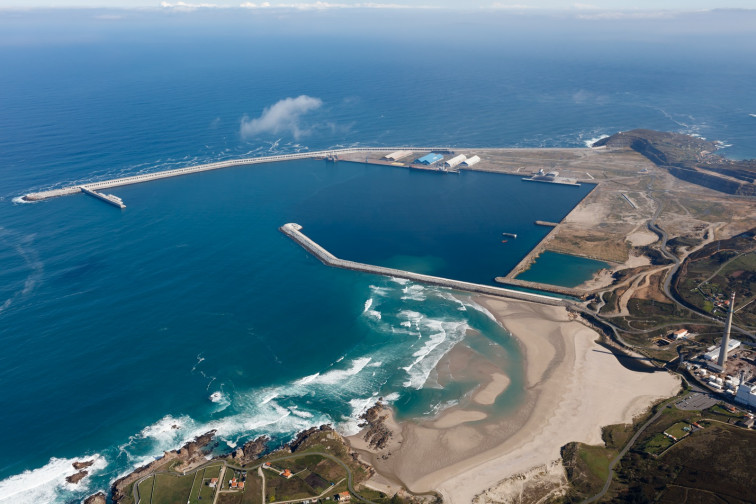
376, 433
190, 455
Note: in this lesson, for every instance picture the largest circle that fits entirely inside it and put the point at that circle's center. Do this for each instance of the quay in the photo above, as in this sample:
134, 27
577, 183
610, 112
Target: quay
333, 155
107, 198
561, 182
294, 231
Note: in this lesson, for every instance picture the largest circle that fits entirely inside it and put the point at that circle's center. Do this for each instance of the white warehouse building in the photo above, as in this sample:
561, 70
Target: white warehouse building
471, 161
455, 161
400, 154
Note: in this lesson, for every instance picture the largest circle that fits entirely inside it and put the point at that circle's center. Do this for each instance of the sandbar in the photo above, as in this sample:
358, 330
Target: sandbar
573, 387
488, 394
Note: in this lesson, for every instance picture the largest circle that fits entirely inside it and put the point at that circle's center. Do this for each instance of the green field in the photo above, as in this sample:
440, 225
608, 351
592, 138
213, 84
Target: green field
171, 489
314, 475
657, 443
679, 430
709, 275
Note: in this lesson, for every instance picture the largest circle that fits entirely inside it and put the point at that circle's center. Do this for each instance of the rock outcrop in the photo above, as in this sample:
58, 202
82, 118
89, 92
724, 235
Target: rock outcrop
98, 498
377, 434
75, 478
251, 450
82, 465
305, 435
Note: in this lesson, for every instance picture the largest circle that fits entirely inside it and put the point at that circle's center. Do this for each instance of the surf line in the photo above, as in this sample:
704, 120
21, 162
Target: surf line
294, 231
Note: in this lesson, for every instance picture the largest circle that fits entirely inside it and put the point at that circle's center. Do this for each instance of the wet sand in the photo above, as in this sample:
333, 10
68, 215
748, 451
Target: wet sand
573, 387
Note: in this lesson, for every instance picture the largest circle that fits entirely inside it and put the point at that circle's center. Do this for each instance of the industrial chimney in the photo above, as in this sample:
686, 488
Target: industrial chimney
726, 337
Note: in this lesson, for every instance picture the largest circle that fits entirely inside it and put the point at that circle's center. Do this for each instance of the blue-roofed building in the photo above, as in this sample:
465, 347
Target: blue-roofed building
429, 159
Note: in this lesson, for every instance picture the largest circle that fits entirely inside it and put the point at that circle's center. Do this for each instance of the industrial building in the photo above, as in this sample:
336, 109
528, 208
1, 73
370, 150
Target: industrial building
455, 161
746, 395
713, 353
429, 159
400, 154
680, 333
471, 161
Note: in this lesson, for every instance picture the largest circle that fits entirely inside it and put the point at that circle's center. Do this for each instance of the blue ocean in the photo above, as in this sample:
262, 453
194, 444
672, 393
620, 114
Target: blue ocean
127, 333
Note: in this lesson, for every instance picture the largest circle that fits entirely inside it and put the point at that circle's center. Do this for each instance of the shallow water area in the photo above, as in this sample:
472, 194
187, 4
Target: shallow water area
565, 270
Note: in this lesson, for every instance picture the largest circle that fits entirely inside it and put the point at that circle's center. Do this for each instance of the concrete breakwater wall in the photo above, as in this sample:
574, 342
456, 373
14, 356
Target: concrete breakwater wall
137, 179
294, 232
566, 291
107, 198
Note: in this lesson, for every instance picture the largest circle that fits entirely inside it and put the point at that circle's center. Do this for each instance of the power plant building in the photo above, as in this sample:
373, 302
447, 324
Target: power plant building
455, 161
746, 395
713, 353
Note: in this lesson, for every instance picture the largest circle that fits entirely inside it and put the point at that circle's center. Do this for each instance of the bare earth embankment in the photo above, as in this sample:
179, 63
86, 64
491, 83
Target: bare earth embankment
573, 388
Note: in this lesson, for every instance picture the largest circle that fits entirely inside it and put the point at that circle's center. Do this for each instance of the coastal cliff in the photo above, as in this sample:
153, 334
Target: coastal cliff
689, 158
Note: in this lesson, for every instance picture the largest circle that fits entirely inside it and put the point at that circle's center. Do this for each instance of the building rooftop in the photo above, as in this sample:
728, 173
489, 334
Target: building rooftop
429, 159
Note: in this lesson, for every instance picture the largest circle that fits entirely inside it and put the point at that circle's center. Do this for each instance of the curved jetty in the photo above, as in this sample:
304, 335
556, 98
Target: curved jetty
293, 231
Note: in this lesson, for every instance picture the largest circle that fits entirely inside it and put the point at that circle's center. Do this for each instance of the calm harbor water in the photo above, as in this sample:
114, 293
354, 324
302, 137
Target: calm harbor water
562, 269
117, 326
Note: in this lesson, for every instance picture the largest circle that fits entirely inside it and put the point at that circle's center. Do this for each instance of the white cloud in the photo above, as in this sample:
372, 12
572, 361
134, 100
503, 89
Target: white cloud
184, 6
282, 116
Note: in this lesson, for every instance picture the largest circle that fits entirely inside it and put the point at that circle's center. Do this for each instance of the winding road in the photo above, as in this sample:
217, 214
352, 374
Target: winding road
627, 447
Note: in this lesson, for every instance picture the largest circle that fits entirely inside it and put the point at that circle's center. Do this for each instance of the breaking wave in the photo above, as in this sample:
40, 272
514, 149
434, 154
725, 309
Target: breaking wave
589, 143
48, 483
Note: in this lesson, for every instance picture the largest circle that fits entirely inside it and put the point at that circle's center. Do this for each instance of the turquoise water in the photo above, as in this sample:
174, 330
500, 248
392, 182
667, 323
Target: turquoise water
565, 270
117, 326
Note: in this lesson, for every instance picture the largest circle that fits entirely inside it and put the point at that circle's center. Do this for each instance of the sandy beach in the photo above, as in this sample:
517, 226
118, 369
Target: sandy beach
573, 387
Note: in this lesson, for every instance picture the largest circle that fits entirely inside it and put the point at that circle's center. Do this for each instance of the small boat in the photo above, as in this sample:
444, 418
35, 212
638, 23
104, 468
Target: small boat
504, 241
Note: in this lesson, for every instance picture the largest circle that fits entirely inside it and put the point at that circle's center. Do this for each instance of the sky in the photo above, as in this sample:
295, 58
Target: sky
631, 5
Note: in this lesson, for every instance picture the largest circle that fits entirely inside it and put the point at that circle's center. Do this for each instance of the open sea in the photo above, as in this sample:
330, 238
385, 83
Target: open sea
118, 326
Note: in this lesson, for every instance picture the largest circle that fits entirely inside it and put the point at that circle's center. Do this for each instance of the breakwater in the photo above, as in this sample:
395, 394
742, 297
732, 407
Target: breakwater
557, 289
137, 179
107, 198
546, 223
293, 231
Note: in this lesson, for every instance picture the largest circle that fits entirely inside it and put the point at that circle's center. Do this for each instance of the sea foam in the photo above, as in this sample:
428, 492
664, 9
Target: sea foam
48, 483
589, 143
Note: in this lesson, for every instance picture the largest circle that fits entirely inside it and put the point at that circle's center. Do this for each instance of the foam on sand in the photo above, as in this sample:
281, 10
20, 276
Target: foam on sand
445, 334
